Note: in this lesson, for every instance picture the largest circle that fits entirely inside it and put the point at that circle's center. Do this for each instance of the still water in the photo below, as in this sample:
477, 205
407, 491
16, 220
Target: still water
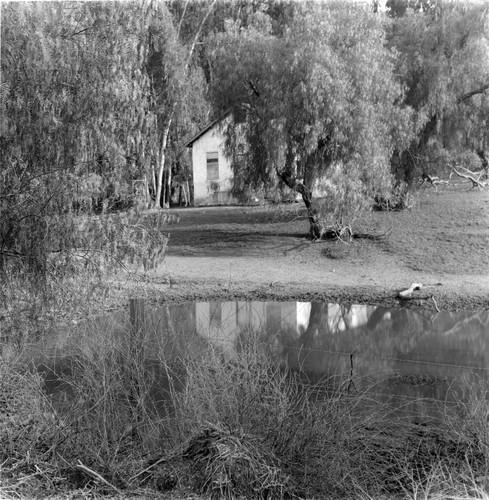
404, 357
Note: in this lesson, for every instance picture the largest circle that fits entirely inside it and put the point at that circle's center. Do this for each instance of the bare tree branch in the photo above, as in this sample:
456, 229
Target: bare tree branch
475, 182
468, 95
181, 19
197, 35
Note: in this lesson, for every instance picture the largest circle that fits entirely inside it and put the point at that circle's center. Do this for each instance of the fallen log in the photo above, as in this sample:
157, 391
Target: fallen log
433, 180
407, 294
476, 175
475, 182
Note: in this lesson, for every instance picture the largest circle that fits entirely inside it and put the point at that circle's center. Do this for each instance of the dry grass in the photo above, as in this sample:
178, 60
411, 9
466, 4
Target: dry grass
447, 231
235, 464
240, 427
29, 430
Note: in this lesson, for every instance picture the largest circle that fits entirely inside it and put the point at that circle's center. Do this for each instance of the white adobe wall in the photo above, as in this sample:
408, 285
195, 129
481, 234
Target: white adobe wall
209, 142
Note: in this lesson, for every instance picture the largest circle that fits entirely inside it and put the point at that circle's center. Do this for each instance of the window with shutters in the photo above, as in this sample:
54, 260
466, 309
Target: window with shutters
212, 166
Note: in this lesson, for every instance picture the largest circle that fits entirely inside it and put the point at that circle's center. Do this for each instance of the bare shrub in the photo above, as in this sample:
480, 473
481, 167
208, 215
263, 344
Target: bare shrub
29, 430
112, 380
250, 395
468, 422
92, 409
400, 198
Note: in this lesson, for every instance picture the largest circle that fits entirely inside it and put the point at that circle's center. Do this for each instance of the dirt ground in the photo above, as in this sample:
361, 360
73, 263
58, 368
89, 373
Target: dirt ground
262, 253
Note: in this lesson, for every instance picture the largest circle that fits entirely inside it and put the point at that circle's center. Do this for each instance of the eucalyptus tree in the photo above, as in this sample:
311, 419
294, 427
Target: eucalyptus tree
191, 115
318, 104
170, 66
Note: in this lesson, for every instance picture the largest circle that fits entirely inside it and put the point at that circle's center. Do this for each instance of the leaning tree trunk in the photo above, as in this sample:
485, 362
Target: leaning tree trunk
316, 227
316, 224
485, 163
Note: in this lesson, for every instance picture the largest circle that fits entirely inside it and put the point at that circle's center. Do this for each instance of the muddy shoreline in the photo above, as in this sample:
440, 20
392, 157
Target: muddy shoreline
432, 298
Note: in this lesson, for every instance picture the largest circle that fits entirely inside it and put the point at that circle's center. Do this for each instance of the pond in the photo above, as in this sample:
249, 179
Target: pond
408, 359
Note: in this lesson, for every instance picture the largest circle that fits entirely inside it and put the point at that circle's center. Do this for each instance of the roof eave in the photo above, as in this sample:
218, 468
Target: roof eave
189, 143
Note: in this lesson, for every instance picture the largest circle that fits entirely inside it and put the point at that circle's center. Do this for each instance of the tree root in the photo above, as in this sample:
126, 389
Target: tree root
338, 234
373, 237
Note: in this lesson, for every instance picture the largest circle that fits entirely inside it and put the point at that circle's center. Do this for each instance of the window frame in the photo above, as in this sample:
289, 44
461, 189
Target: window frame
212, 166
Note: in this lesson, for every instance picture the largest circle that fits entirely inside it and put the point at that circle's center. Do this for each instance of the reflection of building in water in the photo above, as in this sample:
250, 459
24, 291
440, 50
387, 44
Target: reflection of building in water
222, 322
314, 334
303, 315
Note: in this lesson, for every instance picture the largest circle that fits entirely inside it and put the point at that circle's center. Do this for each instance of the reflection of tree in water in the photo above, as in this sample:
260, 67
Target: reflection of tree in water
384, 342
324, 346
325, 339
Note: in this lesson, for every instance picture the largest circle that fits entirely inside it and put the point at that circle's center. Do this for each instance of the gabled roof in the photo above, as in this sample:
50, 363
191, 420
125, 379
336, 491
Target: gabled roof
205, 129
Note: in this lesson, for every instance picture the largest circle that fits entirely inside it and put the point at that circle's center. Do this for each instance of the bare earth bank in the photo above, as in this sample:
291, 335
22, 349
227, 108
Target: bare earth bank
261, 253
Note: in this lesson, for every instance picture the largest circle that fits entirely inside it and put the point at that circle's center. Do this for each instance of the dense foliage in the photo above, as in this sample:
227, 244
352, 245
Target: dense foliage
320, 103
346, 95
443, 62
332, 99
85, 103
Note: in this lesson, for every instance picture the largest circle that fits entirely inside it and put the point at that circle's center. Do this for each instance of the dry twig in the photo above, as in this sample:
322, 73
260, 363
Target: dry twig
434, 302
97, 476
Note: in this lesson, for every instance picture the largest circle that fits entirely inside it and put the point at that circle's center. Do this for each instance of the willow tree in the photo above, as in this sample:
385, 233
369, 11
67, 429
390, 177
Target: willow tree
74, 105
319, 106
74, 88
443, 62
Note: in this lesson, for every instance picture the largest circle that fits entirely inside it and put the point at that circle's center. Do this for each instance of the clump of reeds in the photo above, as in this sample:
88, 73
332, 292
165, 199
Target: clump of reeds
231, 464
250, 394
